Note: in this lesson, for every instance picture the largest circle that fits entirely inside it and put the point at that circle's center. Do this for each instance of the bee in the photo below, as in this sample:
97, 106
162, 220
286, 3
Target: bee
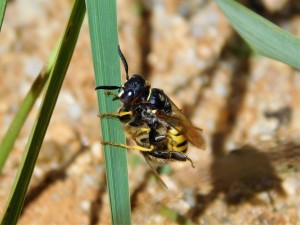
159, 129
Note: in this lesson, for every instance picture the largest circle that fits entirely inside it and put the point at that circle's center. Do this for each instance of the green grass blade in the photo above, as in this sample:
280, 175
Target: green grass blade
14, 129
263, 36
174, 216
20, 117
2, 11
61, 63
104, 40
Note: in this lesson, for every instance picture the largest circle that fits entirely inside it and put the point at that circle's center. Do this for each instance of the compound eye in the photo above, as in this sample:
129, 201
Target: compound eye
127, 96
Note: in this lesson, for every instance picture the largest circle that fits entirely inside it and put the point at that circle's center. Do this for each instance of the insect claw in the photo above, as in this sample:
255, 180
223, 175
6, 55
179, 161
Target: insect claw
111, 93
191, 162
101, 115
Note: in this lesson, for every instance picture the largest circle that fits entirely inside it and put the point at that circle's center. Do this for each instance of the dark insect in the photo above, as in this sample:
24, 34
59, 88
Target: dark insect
160, 130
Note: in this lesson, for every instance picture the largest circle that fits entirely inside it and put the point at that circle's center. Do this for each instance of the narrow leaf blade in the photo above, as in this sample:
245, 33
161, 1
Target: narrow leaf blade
104, 40
263, 36
61, 63
2, 11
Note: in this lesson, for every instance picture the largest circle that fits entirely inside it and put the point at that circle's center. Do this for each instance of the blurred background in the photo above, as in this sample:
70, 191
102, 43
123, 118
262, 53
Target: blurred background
247, 105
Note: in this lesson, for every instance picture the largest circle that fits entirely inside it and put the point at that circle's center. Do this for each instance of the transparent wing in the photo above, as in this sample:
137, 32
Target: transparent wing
179, 121
154, 172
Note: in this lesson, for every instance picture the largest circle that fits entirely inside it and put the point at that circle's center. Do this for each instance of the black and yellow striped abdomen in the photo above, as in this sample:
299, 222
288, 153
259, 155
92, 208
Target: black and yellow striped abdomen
176, 140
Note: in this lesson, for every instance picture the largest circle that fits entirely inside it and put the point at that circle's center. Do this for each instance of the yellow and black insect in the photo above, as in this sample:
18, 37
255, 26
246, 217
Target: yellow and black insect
160, 130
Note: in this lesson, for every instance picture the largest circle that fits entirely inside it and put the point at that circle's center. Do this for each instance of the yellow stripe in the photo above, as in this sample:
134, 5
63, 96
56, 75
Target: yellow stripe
175, 140
178, 139
177, 149
180, 149
174, 132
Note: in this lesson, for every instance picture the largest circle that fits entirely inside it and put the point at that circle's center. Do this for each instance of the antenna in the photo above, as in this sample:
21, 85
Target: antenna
124, 62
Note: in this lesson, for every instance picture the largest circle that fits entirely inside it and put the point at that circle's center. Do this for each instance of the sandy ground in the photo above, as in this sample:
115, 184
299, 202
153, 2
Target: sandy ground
247, 105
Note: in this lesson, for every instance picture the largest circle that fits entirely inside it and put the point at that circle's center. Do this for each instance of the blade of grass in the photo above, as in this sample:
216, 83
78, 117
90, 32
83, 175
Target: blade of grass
104, 40
174, 216
20, 117
14, 129
263, 36
2, 11
61, 63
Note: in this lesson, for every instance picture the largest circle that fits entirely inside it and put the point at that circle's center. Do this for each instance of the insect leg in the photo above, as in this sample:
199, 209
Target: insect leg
144, 130
117, 115
155, 137
134, 147
177, 156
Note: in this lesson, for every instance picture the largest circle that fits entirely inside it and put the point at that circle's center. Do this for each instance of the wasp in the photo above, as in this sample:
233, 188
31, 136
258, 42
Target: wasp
159, 129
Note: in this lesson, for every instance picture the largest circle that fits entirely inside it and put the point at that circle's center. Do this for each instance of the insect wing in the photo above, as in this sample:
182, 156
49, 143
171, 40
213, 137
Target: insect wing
155, 172
179, 121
